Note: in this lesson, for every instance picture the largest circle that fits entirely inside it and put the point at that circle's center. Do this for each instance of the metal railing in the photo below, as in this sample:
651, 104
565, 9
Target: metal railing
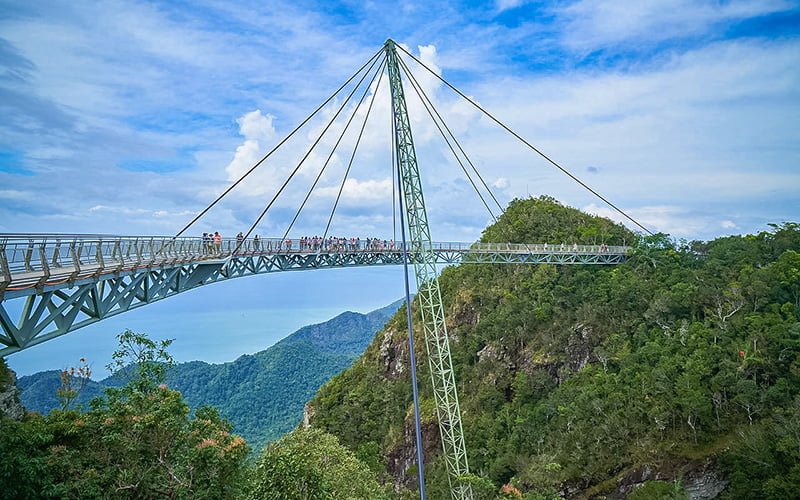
70, 256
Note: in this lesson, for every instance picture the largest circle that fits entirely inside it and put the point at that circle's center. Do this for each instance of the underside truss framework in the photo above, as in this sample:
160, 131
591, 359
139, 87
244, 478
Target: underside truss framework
46, 292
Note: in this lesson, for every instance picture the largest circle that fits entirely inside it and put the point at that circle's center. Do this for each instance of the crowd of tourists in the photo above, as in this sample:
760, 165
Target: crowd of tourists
337, 244
212, 244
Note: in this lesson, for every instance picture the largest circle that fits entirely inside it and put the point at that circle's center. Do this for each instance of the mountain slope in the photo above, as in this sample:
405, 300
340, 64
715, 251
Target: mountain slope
580, 381
261, 394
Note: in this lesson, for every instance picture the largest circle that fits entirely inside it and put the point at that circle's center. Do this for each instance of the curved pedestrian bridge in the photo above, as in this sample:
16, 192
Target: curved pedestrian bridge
65, 282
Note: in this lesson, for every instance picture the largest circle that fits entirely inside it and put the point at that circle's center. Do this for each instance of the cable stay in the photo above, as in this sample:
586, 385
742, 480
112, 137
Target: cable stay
370, 62
305, 157
424, 97
336, 145
524, 141
426, 102
355, 150
420, 91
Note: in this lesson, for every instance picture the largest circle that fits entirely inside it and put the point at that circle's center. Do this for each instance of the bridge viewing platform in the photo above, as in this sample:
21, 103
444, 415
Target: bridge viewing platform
70, 281
31, 264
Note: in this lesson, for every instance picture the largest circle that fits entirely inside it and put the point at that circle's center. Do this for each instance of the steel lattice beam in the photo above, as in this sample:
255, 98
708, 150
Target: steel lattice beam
430, 300
57, 284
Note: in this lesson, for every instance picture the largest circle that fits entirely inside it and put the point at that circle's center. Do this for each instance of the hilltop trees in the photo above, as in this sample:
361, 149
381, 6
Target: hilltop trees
310, 464
137, 442
569, 375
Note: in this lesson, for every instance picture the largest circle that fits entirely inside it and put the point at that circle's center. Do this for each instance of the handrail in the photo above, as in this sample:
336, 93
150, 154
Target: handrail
39, 253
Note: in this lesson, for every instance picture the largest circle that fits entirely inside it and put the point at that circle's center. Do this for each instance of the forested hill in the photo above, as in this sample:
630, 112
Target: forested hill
261, 394
676, 371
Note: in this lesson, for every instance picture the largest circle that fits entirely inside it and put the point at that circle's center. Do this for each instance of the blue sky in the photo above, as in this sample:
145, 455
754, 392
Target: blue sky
129, 117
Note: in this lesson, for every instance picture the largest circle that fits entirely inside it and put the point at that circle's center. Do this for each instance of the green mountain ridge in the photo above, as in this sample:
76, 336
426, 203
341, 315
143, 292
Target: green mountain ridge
676, 372
261, 394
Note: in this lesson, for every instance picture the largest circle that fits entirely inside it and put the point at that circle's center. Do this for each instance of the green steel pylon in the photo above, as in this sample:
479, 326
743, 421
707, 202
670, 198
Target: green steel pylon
430, 298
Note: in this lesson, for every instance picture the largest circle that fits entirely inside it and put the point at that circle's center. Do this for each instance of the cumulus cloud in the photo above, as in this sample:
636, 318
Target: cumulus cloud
363, 191
500, 183
257, 130
728, 224
598, 23
256, 126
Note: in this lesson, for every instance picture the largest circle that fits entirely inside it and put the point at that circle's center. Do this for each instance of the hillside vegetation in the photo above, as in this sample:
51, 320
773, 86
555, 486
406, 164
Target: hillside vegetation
262, 394
581, 381
141, 441
677, 372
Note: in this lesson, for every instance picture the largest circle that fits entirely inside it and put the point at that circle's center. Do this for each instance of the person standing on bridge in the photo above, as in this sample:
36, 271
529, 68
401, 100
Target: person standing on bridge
256, 244
208, 242
218, 241
239, 239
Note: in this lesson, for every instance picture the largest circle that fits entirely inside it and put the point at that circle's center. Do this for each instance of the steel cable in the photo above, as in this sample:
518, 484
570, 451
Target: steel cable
355, 149
452, 150
333, 150
259, 162
302, 160
419, 89
531, 146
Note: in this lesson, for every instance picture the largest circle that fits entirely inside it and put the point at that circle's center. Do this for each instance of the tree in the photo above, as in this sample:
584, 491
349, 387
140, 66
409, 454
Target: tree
149, 359
310, 464
73, 381
138, 441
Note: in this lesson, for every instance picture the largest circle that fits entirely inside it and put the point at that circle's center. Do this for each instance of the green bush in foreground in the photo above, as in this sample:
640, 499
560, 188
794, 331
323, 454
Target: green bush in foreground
310, 464
137, 442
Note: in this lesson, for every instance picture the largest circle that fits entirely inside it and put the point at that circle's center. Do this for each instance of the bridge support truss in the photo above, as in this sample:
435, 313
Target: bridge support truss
428, 293
52, 285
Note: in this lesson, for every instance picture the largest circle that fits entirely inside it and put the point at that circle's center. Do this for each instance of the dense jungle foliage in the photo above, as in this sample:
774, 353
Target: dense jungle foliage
140, 441
570, 379
570, 376
262, 395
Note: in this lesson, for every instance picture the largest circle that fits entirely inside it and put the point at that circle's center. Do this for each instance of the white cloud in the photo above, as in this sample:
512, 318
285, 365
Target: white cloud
256, 126
500, 183
591, 24
363, 191
728, 224
502, 5
257, 130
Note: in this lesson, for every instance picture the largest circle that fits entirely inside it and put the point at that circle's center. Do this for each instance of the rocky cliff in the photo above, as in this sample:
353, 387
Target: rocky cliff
10, 406
662, 374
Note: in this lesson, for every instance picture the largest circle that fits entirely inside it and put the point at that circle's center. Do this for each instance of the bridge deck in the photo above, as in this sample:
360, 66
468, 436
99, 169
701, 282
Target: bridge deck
29, 265
70, 281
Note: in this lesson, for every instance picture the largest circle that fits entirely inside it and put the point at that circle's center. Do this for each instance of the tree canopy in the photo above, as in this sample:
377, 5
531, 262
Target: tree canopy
569, 376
